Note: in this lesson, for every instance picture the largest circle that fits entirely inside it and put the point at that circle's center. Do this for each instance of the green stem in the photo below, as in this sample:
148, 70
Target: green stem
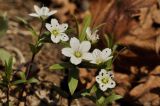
7, 95
29, 67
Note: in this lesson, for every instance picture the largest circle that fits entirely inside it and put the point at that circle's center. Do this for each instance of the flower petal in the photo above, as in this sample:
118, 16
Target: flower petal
55, 39
54, 23
85, 46
37, 9
49, 27
103, 72
88, 31
96, 53
110, 73
74, 43
68, 52
52, 12
34, 15
111, 84
44, 11
98, 79
87, 56
75, 60
103, 87
63, 27
106, 52
64, 37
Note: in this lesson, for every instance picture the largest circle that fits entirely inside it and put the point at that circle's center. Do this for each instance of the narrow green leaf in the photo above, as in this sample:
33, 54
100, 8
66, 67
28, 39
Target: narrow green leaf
94, 89
101, 101
3, 25
19, 82
73, 80
22, 75
86, 23
4, 55
32, 80
61, 66
57, 67
112, 97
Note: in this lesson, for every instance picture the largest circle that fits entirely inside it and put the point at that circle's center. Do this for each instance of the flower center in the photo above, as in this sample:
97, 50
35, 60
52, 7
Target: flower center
105, 80
55, 32
78, 54
98, 61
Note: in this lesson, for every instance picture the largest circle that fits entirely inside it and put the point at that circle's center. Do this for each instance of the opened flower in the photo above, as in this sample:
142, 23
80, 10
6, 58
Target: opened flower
57, 31
105, 81
101, 56
92, 36
43, 12
77, 51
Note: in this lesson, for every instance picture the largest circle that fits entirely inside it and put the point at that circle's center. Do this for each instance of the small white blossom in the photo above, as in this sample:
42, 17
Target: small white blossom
42, 12
92, 36
104, 79
101, 56
78, 51
57, 31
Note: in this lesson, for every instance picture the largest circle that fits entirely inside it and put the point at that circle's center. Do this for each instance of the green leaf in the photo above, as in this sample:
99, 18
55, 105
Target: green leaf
86, 23
22, 75
61, 66
32, 80
4, 55
101, 101
111, 98
73, 80
93, 89
3, 25
8, 69
19, 82
57, 67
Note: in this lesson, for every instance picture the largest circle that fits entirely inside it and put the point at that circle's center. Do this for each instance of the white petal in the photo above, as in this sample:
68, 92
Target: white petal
52, 12
87, 56
68, 52
74, 43
108, 58
64, 37
49, 27
54, 23
111, 84
44, 11
37, 9
93, 61
96, 53
98, 79
103, 87
85, 46
103, 72
75, 60
34, 15
55, 39
106, 52
63, 27
110, 73
88, 31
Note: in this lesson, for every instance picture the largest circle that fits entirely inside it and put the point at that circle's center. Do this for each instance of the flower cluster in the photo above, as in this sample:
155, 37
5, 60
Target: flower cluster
79, 51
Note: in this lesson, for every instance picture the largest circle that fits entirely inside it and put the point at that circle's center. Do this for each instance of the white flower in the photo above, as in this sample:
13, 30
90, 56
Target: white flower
101, 56
57, 31
104, 79
92, 36
78, 51
42, 12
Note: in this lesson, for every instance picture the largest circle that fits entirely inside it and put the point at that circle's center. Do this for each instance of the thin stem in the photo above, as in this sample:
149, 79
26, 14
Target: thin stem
69, 101
29, 67
7, 95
